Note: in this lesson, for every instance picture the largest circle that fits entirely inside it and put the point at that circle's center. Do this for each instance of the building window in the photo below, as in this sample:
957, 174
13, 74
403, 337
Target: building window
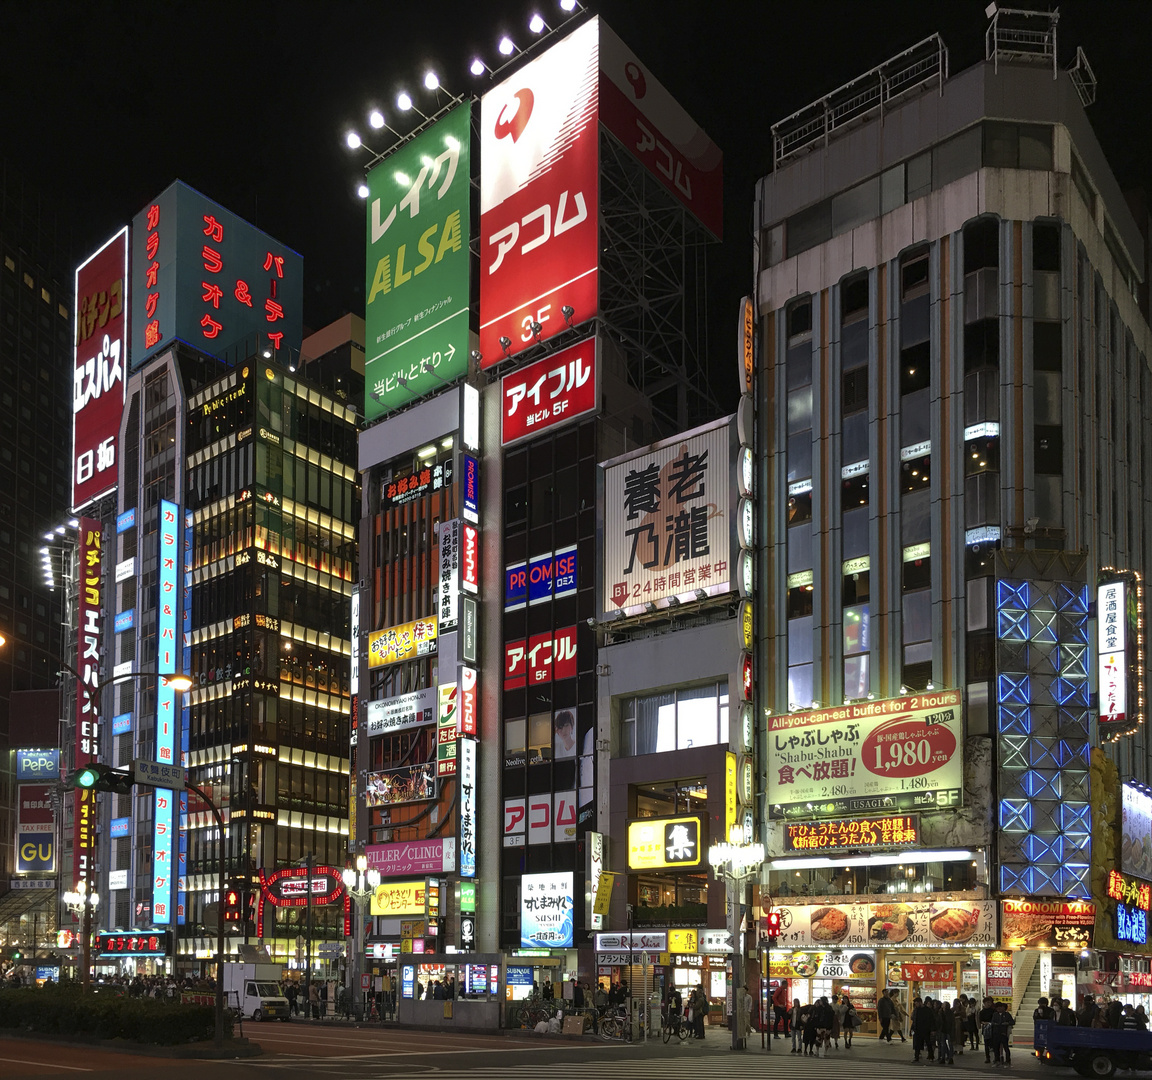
675, 720
1017, 146
914, 276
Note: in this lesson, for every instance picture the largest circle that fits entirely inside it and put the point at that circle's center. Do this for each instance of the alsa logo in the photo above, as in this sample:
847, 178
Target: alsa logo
518, 121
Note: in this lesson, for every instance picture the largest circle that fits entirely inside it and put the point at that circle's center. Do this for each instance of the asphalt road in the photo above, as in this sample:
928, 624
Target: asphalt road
303, 1051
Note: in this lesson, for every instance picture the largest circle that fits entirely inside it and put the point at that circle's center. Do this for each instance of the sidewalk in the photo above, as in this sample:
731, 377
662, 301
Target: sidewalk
869, 1048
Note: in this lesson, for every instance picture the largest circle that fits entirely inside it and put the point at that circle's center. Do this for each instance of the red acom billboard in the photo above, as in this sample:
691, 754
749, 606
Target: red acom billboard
540, 164
101, 359
538, 197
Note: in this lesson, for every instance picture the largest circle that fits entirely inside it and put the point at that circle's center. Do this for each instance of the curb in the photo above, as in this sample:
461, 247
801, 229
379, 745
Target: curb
233, 1048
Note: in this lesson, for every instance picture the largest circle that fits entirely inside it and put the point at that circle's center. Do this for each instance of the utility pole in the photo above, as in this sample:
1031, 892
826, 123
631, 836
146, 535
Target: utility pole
308, 942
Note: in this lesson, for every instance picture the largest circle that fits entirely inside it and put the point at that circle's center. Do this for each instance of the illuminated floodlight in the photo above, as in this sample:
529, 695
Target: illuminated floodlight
376, 119
536, 24
431, 82
506, 46
353, 140
478, 67
362, 191
403, 179
403, 102
568, 5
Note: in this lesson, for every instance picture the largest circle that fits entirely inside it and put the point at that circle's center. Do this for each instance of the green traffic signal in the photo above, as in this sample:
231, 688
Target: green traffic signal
85, 778
100, 777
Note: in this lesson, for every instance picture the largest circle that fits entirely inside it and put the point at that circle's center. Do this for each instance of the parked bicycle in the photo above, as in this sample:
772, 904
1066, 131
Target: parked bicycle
613, 1024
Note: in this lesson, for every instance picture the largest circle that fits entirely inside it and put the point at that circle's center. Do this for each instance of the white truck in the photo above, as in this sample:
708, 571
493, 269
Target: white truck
254, 989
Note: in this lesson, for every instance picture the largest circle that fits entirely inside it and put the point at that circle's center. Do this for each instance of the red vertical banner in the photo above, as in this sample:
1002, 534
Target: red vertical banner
89, 635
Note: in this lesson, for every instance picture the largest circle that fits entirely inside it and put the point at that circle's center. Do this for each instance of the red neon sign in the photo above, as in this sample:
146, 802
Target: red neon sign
288, 887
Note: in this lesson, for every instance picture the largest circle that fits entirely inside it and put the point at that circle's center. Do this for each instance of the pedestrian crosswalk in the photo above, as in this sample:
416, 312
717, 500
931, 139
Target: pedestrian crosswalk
703, 1064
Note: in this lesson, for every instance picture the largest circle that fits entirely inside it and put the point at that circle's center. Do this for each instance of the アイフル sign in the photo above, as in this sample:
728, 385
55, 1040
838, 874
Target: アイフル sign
559, 389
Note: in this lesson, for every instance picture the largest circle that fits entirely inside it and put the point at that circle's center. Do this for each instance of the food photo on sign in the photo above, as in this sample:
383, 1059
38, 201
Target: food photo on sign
921, 924
1047, 924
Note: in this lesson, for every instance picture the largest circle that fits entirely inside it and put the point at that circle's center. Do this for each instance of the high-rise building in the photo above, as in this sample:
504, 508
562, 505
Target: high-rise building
35, 365
952, 400
476, 699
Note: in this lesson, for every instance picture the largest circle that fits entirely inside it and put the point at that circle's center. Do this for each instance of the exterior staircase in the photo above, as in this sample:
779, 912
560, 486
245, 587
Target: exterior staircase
1029, 995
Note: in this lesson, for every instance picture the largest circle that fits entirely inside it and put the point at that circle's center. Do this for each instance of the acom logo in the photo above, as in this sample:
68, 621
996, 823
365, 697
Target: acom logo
518, 121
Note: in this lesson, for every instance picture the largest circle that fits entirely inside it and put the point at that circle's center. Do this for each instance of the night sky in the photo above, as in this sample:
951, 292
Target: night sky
103, 105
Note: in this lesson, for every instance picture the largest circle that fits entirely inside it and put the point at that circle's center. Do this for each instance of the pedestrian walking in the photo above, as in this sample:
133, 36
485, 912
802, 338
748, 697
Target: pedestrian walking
885, 1010
780, 1010
899, 1015
1001, 1025
851, 1021
839, 1008
946, 1025
797, 1027
314, 1001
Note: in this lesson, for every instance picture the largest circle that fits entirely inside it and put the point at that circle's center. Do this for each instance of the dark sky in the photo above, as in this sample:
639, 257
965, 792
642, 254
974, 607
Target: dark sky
103, 105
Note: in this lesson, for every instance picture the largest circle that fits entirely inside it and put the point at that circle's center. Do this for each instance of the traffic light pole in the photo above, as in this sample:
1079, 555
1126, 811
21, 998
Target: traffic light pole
221, 869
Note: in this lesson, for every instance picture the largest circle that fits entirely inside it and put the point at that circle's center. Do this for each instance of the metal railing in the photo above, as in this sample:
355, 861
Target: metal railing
913, 70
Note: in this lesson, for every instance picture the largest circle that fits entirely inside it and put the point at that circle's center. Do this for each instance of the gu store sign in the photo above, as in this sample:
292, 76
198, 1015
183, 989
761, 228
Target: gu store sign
669, 529
101, 357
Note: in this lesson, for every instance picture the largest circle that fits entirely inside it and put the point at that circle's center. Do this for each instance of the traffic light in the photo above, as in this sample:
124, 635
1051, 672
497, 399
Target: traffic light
232, 905
97, 776
772, 925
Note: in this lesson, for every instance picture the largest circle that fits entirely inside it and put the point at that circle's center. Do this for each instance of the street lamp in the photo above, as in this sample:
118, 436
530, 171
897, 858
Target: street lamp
736, 862
84, 903
360, 884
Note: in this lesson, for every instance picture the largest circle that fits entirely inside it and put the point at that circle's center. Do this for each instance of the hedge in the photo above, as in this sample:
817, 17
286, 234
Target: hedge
67, 1010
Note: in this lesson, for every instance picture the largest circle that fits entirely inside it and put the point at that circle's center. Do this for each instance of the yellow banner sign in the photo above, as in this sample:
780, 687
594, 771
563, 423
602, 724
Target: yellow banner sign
398, 898
603, 893
729, 793
403, 642
654, 843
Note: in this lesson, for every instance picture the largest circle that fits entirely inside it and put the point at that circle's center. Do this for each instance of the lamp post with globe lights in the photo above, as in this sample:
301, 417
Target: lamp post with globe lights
360, 884
736, 862
83, 903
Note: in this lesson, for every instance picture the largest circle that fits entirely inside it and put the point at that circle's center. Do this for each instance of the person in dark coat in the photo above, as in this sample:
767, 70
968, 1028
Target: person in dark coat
923, 1025
699, 1008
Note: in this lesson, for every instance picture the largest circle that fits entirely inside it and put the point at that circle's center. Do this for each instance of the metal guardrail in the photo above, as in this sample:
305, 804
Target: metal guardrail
913, 70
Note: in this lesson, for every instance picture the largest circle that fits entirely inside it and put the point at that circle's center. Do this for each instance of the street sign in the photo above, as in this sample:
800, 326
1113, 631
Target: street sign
157, 774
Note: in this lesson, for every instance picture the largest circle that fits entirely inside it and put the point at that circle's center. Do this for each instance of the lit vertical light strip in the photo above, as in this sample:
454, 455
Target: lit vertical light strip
162, 868
185, 722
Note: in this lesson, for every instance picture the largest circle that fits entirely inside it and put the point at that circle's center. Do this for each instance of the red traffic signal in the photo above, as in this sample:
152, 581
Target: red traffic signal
232, 906
772, 924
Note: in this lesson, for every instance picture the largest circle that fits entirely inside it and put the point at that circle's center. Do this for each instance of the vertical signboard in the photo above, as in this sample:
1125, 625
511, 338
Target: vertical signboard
538, 197
170, 534
416, 318
202, 275
35, 830
467, 767
100, 360
469, 694
448, 591
185, 716
1120, 653
88, 639
470, 558
471, 489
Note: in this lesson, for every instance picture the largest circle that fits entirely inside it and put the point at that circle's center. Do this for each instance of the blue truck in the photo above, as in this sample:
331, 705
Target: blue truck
1093, 1051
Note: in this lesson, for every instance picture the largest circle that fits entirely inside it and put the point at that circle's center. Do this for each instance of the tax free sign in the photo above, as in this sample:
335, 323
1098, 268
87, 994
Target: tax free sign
416, 318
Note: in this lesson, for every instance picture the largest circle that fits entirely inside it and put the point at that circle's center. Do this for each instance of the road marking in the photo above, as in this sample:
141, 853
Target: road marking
47, 1064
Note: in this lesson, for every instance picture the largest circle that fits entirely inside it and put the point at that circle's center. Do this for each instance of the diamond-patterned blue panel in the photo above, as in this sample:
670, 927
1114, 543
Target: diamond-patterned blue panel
1012, 624
1015, 815
1015, 720
1015, 594
1013, 689
1043, 655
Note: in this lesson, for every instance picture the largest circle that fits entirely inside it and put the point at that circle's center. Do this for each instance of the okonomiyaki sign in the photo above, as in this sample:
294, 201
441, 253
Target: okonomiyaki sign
904, 754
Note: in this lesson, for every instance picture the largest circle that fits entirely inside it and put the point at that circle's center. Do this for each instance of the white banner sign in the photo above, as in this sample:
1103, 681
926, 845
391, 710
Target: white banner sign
668, 528
448, 591
407, 710
652, 941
